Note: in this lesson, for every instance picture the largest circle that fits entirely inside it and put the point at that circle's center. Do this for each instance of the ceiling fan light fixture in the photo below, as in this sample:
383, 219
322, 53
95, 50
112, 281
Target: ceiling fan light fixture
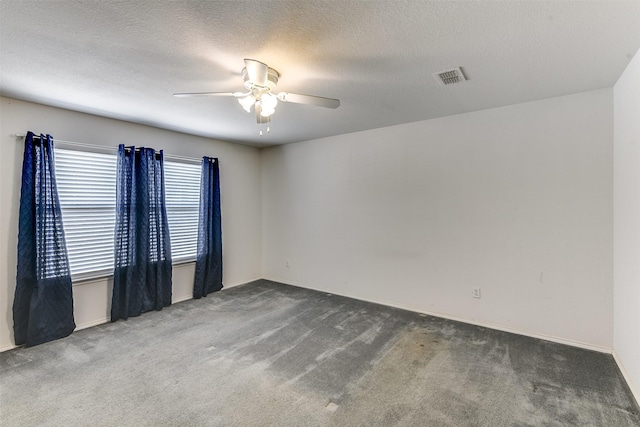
268, 102
263, 111
247, 102
260, 118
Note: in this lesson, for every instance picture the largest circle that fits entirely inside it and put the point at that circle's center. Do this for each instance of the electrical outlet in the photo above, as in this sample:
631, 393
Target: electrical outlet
476, 292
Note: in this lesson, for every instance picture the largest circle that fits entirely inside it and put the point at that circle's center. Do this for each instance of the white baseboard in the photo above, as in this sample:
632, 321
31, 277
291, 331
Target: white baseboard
92, 323
103, 320
182, 298
444, 316
190, 296
78, 328
633, 387
240, 283
468, 321
8, 347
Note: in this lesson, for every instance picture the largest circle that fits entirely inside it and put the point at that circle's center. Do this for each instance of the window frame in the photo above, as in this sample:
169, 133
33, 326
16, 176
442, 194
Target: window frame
101, 273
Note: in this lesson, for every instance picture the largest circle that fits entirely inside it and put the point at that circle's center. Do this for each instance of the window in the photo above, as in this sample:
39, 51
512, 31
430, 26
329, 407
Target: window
87, 190
182, 193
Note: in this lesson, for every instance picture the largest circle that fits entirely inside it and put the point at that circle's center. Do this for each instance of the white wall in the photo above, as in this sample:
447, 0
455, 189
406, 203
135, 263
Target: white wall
626, 223
515, 200
240, 194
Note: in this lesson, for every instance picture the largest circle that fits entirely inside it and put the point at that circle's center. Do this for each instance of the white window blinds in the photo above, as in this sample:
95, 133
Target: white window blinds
182, 193
87, 191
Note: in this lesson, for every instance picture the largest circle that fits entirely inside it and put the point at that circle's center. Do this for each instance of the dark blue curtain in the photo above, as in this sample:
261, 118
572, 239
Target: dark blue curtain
43, 300
142, 273
208, 277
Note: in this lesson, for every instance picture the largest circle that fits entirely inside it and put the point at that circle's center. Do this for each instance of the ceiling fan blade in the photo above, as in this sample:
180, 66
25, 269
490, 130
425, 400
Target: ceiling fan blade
318, 101
257, 71
188, 94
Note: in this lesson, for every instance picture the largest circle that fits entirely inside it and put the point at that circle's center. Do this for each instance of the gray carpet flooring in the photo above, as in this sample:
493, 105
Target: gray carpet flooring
267, 354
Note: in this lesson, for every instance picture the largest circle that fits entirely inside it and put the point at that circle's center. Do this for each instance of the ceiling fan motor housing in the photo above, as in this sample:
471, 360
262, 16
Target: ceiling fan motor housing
272, 80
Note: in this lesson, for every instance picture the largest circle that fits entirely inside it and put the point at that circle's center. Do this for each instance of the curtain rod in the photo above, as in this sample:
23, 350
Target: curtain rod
111, 150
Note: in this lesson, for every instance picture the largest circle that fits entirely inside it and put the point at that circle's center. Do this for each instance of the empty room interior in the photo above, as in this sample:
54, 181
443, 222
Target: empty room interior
378, 213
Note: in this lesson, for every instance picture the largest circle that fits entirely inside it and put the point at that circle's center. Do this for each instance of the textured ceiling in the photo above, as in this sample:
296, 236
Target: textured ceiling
124, 59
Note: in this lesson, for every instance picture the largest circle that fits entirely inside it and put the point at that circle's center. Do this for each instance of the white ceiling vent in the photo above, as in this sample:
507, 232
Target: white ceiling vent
449, 77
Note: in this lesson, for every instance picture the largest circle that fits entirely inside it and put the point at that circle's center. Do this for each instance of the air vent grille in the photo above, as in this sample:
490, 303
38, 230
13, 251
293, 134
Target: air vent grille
449, 77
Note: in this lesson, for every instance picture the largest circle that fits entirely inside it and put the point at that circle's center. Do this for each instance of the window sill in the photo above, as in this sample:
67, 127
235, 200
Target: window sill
184, 261
99, 276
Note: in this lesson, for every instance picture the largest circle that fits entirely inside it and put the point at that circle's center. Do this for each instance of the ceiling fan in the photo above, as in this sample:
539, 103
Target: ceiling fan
259, 81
